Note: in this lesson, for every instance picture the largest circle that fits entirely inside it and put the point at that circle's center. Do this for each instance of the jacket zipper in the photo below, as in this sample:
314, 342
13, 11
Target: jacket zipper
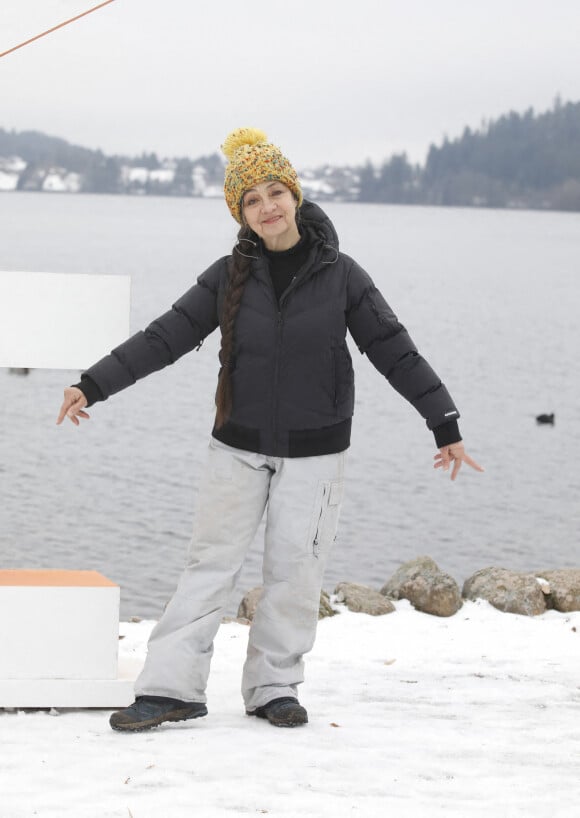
280, 322
279, 328
334, 378
276, 377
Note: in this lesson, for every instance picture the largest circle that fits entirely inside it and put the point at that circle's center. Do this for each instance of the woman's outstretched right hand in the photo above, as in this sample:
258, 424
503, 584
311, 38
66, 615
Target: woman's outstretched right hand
72, 406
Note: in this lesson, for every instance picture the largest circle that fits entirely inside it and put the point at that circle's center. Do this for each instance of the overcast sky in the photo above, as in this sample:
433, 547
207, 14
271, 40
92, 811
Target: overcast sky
326, 79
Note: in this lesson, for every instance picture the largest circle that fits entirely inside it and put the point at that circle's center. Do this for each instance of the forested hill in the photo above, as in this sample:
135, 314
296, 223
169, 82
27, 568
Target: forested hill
524, 160
520, 160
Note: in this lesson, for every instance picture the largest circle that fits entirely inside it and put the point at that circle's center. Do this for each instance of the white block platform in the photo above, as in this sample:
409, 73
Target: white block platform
59, 639
41, 312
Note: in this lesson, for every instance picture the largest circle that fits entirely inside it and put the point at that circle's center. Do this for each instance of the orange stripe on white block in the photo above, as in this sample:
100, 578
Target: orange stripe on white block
53, 578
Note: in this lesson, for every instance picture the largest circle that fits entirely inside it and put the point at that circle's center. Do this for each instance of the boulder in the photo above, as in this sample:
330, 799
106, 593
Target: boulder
508, 591
325, 609
427, 588
361, 599
249, 603
563, 589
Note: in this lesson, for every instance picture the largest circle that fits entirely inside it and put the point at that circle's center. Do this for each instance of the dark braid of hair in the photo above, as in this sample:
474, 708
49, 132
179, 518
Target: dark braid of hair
238, 275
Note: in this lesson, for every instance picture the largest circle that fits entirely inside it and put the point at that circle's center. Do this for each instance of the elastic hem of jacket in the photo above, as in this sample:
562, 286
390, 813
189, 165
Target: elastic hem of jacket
446, 434
301, 442
90, 390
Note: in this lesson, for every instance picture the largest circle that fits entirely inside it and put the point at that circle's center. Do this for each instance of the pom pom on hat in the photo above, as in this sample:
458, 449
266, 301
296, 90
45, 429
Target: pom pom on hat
252, 159
241, 137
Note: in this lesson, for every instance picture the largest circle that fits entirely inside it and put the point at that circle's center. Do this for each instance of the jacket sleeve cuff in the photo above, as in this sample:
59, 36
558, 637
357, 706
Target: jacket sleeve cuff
89, 389
446, 434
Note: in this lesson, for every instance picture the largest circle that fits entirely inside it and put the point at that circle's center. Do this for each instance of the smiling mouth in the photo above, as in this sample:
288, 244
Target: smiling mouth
272, 220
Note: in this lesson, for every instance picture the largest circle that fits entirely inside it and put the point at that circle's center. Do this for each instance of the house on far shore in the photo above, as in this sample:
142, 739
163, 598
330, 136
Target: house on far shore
10, 169
58, 180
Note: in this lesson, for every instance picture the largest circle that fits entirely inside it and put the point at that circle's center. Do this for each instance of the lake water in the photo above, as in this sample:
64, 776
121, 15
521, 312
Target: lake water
490, 297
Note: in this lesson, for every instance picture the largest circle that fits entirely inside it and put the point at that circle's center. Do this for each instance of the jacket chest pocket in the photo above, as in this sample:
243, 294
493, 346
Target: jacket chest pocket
324, 520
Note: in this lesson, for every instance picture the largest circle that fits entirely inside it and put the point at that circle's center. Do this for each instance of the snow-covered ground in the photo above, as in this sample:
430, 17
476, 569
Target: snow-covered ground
410, 715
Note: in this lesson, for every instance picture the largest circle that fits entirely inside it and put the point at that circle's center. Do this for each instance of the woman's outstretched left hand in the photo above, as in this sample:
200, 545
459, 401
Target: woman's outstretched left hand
454, 454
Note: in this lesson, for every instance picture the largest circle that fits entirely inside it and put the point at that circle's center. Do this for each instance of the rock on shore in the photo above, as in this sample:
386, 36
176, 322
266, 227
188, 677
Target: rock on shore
432, 591
509, 591
427, 588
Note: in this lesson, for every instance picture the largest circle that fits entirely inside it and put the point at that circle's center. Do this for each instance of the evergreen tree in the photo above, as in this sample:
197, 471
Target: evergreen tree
368, 183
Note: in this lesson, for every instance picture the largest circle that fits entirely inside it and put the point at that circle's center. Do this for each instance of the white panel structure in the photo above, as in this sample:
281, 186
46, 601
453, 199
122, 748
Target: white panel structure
61, 321
59, 637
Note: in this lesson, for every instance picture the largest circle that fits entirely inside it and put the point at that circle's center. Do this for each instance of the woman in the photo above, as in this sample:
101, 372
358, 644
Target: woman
283, 300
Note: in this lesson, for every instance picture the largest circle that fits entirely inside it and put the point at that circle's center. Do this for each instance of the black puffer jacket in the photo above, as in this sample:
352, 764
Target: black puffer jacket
292, 375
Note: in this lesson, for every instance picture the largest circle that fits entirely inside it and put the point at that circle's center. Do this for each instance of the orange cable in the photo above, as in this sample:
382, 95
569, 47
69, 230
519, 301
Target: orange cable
54, 28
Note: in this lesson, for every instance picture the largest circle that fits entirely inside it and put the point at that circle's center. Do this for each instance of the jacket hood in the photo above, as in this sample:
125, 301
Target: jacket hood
316, 221
321, 236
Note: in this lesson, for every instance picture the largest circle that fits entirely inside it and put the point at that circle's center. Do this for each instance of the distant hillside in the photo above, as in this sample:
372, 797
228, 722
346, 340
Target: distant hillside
31, 160
40, 149
520, 160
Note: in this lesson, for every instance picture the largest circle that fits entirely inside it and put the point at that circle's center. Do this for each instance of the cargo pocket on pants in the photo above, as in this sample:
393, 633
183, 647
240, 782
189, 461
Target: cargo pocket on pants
325, 517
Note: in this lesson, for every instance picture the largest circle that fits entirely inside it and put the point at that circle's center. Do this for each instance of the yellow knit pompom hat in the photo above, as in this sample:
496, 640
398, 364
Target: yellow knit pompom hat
252, 159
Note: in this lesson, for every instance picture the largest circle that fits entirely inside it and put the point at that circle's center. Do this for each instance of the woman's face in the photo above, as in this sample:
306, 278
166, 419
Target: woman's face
269, 209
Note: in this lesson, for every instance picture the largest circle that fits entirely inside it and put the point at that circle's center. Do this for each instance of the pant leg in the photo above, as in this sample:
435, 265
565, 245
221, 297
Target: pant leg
303, 511
230, 505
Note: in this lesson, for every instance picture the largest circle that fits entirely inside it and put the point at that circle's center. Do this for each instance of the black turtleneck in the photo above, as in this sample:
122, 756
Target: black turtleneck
285, 264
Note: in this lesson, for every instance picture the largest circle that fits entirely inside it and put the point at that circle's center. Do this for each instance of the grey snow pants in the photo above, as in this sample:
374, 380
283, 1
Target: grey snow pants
303, 498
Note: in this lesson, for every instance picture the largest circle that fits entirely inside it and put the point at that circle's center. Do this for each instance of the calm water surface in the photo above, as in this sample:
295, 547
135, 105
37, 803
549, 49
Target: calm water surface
490, 297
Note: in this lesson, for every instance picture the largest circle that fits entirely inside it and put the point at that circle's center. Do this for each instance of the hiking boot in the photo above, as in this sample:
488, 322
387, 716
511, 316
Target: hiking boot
150, 711
283, 712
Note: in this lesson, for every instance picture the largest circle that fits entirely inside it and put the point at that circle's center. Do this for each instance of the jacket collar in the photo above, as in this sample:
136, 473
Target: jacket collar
322, 237
314, 219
